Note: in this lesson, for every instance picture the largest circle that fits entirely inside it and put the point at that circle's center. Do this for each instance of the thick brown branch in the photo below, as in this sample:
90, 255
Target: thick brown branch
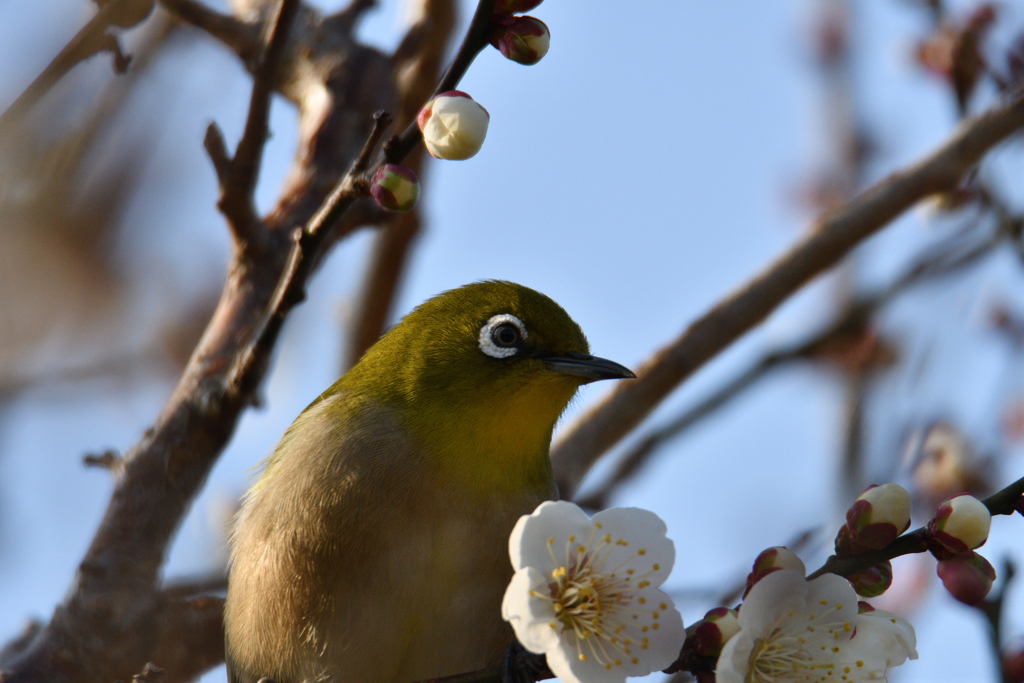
191, 637
836, 234
936, 261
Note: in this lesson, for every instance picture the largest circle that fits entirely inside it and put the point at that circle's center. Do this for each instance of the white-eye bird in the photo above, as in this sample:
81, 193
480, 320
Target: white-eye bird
374, 547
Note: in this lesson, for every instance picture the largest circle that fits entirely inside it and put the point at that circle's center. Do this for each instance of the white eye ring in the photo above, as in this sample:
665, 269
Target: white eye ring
487, 344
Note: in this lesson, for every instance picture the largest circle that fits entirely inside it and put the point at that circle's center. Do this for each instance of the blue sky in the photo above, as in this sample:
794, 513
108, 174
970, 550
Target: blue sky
641, 171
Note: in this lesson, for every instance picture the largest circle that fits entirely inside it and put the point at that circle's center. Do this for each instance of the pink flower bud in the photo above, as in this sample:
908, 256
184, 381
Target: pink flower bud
961, 523
515, 6
395, 188
878, 516
874, 581
522, 39
772, 560
714, 631
454, 125
967, 577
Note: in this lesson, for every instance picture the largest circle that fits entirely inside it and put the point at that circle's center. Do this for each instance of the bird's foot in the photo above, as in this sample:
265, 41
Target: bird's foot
520, 666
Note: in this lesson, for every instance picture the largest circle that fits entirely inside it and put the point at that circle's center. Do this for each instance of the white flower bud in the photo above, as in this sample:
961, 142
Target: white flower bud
454, 125
879, 515
961, 523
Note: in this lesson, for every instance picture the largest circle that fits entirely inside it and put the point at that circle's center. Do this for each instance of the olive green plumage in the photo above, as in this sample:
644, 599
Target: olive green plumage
373, 549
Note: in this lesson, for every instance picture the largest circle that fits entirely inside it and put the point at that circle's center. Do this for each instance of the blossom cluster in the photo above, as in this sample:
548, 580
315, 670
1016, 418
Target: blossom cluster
585, 593
792, 629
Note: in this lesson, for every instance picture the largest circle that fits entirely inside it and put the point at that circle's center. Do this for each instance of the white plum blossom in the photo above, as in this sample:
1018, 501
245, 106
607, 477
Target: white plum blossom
799, 630
585, 592
453, 125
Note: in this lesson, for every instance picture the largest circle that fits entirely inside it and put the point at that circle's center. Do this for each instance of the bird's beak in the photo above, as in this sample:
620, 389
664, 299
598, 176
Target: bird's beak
591, 368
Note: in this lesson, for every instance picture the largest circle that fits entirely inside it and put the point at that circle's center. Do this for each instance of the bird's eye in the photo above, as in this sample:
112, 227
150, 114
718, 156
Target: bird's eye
501, 336
505, 335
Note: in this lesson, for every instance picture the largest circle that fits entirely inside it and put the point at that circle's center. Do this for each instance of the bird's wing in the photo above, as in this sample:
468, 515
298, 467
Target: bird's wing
311, 540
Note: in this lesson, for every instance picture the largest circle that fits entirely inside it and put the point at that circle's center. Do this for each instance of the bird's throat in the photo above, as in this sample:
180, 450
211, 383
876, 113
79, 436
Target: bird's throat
500, 442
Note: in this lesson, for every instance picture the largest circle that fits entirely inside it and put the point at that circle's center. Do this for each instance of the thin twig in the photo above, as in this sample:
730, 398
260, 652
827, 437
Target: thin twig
1001, 502
242, 38
992, 609
249, 153
396, 149
238, 175
836, 234
91, 39
416, 63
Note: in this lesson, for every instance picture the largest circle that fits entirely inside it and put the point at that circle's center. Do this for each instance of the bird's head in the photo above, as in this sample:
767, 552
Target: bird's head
491, 365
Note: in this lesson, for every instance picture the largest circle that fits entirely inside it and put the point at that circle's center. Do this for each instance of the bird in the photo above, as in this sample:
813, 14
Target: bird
374, 546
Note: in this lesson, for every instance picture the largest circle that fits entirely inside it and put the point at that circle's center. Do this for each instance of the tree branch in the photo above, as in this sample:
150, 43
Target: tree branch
114, 618
396, 149
1001, 502
943, 259
91, 39
242, 38
238, 175
416, 64
835, 235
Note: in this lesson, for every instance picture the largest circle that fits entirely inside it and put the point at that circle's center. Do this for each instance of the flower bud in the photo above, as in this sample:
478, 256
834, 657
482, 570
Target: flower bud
454, 125
515, 6
522, 39
948, 465
395, 187
873, 581
967, 577
772, 560
961, 523
878, 516
864, 607
714, 631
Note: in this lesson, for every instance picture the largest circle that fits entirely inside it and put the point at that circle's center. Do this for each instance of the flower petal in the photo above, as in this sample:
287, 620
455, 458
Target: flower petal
553, 523
771, 598
567, 665
528, 609
734, 662
666, 634
884, 634
832, 600
638, 540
